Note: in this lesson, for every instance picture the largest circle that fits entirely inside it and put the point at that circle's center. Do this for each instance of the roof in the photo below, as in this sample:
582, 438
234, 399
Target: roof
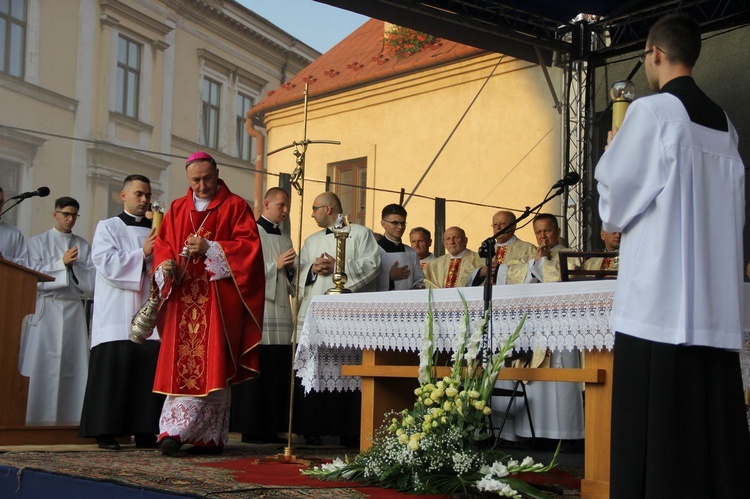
360, 59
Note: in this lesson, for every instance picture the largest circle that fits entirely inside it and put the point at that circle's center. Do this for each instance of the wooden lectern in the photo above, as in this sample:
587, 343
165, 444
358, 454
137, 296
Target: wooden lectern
17, 300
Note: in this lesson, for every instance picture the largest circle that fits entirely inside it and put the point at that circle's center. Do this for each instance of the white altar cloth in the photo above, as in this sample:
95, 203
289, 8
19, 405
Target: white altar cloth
338, 327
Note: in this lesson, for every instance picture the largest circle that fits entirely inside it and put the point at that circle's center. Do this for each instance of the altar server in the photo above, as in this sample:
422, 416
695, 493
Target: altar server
672, 181
399, 264
260, 407
119, 400
55, 344
12, 243
329, 413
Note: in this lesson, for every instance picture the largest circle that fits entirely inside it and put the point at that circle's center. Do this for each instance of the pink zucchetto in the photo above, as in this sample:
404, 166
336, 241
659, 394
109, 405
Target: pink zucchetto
199, 156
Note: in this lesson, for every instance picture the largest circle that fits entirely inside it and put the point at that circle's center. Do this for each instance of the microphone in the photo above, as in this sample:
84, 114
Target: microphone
41, 192
570, 178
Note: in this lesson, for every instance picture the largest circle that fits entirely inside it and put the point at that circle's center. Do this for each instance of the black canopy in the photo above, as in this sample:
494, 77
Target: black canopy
530, 29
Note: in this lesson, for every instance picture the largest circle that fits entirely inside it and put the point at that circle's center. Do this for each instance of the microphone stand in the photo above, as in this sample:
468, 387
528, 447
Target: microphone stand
487, 251
11, 206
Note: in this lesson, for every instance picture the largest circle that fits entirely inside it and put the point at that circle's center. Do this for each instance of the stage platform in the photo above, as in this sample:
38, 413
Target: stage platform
75, 471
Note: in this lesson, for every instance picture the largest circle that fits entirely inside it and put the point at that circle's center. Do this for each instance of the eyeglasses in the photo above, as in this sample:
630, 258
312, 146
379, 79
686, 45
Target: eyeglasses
642, 56
316, 208
395, 224
67, 214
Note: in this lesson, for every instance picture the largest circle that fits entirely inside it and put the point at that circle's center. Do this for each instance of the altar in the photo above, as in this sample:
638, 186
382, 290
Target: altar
361, 340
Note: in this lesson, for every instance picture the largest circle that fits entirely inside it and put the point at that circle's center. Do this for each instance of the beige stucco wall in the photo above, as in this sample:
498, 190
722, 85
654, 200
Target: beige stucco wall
505, 153
68, 89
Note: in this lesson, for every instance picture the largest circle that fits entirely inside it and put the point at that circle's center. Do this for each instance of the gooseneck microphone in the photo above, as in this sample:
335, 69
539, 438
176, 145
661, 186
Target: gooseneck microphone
570, 178
41, 192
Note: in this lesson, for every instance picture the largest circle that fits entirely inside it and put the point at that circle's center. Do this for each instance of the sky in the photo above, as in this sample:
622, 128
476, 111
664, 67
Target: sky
316, 24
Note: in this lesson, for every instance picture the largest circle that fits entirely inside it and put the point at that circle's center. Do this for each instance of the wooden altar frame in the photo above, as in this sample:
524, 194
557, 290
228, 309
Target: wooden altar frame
389, 378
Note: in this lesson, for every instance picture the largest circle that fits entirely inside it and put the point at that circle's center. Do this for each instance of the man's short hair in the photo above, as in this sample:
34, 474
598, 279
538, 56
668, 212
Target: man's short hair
393, 209
66, 201
135, 178
273, 192
679, 36
548, 216
424, 231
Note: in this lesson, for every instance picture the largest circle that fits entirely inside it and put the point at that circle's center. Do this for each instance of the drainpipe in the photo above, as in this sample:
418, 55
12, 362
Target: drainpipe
260, 165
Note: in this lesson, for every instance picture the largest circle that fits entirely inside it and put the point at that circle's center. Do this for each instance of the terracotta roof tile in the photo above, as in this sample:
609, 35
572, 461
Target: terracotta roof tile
359, 59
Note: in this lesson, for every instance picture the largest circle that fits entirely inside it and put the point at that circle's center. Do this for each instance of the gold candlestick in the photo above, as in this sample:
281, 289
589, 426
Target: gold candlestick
341, 233
622, 93
158, 215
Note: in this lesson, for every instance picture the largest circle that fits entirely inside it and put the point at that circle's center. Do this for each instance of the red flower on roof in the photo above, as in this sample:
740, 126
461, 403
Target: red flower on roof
406, 41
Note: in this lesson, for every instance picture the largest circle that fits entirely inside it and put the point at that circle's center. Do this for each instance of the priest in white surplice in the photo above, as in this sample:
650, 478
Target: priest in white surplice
54, 345
332, 413
556, 407
512, 255
260, 406
12, 243
453, 269
672, 180
399, 264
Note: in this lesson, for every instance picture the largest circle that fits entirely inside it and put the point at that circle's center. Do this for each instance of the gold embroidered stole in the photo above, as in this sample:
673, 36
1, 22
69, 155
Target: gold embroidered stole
452, 278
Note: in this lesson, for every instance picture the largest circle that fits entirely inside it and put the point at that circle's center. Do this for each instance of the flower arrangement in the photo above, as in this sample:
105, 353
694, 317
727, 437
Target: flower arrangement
406, 41
434, 448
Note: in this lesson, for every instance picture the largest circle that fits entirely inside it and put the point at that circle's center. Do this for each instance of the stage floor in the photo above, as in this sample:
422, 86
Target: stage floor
67, 471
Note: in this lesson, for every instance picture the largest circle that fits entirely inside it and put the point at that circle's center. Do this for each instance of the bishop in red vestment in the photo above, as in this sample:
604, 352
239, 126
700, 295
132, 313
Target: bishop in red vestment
209, 266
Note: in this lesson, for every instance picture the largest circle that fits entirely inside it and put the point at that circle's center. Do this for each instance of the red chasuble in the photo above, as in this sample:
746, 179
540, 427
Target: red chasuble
210, 330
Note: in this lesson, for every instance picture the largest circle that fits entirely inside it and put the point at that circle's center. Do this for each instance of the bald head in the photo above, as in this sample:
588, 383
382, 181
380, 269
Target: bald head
325, 208
501, 220
454, 240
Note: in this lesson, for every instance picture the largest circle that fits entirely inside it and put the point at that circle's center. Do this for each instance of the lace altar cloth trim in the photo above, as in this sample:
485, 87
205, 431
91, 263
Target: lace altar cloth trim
561, 316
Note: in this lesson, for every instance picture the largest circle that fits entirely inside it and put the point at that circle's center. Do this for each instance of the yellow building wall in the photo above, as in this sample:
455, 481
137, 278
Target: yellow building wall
505, 153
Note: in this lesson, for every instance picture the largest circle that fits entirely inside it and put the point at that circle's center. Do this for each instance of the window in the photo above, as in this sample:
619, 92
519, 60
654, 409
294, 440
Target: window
244, 145
211, 102
128, 77
12, 37
10, 181
349, 184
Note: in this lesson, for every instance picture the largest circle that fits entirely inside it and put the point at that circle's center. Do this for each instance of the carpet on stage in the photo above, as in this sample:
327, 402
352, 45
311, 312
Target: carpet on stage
238, 472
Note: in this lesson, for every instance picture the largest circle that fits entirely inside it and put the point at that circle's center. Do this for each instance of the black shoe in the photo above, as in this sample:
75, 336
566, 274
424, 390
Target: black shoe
146, 441
313, 440
170, 446
201, 450
107, 442
262, 438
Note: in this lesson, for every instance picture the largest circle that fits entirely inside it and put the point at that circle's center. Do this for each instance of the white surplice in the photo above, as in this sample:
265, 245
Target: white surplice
362, 264
409, 258
681, 264
122, 281
12, 245
54, 344
277, 312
